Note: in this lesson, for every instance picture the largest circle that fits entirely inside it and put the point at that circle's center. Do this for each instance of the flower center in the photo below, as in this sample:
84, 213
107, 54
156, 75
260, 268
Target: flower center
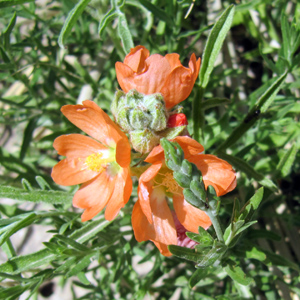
95, 162
166, 180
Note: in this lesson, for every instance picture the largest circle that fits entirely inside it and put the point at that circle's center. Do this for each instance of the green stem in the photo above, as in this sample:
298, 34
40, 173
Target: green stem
198, 115
216, 223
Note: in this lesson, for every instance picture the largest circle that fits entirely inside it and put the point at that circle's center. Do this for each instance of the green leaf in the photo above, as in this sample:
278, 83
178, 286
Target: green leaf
8, 30
81, 276
287, 161
255, 253
263, 234
245, 227
80, 265
286, 43
125, 33
7, 3
73, 16
213, 102
268, 97
14, 291
243, 166
52, 197
214, 254
279, 260
260, 107
197, 276
71, 242
185, 253
28, 132
162, 15
238, 275
16, 226
42, 257
214, 44
22, 263
204, 238
252, 205
109, 16
42, 183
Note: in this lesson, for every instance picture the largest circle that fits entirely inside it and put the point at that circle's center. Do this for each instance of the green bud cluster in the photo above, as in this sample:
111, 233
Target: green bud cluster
189, 178
141, 116
144, 118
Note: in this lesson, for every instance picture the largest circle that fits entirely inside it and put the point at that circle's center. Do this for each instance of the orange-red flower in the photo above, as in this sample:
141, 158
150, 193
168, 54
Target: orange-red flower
152, 218
101, 162
157, 74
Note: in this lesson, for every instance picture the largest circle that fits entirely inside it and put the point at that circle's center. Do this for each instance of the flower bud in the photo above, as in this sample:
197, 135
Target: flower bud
141, 116
143, 141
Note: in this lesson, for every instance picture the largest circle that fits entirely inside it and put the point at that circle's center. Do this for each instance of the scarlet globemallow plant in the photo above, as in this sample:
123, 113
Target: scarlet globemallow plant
150, 74
101, 162
152, 218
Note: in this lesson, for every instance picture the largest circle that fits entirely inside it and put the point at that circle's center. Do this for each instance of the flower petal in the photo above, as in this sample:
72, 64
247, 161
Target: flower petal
162, 230
94, 195
163, 248
124, 76
136, 58
91, 119
215, 172
120, 196
189, 216
156, 154
123, 153
180, 82
173, 59
150, 81
145, 189
76, 145
189, 146
71, 172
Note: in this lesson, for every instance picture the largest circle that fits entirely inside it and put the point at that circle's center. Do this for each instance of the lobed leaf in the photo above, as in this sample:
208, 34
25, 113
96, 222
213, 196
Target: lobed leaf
238, 275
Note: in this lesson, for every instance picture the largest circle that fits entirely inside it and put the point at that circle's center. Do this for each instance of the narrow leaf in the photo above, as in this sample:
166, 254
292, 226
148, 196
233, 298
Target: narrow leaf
8, 30
268, 97
109, 16
39, 258
252, 205
16, 226
83, 263
162, 15
52, 197
214, 44
185, 253
243, 166
287, 161
73, 16
197, 276
7, 3
214, 102
125, 33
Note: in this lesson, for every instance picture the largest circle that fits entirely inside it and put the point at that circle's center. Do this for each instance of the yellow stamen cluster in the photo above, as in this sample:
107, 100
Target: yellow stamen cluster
168, 182
95, 162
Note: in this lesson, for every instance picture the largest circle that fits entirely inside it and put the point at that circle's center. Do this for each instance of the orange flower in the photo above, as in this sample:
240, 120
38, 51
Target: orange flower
102, 167
152, 218
157, 74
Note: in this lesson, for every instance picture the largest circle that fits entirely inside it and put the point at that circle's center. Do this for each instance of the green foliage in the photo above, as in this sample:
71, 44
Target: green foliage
244, 108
